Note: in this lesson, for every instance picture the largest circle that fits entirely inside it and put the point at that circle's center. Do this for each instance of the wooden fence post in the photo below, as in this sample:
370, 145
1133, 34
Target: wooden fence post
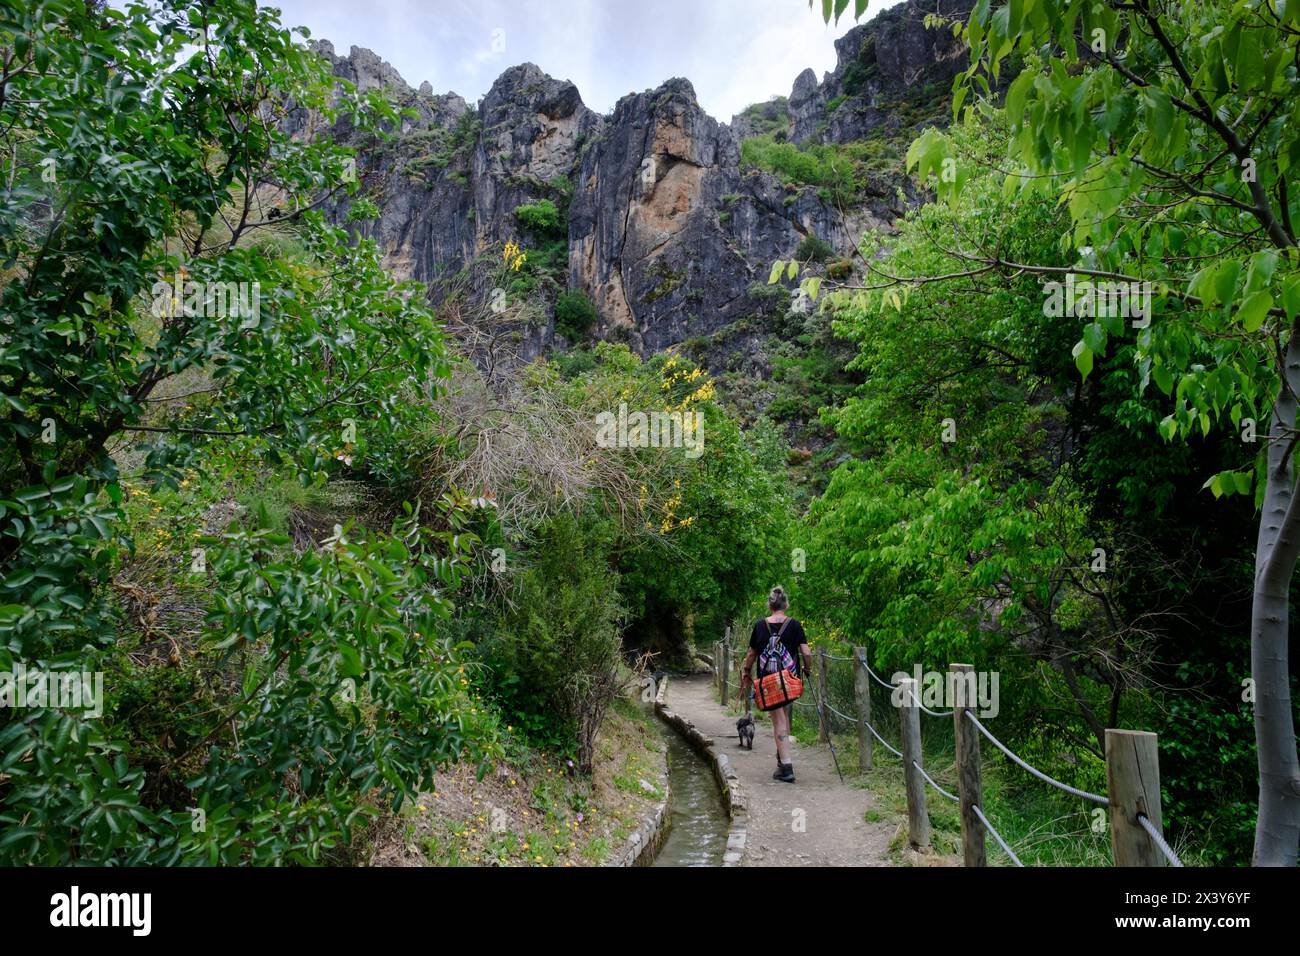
725, 672
823, 718
969, 784
862, 697
909, 719
738, 659
1133, 786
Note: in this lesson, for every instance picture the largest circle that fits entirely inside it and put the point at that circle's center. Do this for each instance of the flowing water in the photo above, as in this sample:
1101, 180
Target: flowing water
698, 822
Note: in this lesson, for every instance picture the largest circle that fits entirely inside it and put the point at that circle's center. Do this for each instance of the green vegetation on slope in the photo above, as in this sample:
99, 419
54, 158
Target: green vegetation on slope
840, 172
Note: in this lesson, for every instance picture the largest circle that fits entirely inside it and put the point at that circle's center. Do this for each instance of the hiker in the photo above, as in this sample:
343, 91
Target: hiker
778, 642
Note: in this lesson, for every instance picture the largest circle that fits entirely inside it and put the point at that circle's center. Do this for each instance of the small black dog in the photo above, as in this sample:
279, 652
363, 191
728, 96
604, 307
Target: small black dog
745, 730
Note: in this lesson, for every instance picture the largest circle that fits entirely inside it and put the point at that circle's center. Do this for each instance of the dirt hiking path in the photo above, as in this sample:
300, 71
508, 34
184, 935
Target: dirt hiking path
817, 821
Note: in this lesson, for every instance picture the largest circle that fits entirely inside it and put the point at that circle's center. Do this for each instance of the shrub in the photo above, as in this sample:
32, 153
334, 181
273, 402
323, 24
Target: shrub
555, 653
574, 315
541, 218
575, 363
840, 269
838, 170
814, 249
768, 298
770, 117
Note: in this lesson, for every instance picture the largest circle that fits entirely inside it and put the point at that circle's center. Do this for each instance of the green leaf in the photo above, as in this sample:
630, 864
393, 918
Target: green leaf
1164, 378
1254, 310
350, 663
1015, 101
1225, 280
1262, 266
1094, 336
1083, 358
1291, 292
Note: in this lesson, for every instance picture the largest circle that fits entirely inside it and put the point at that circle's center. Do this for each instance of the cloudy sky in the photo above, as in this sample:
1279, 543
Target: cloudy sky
735, 52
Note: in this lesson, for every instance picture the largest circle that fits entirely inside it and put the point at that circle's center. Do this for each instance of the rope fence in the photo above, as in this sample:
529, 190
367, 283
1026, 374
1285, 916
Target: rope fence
883, 742
1159, 840
927, 710
996, 835
1095, 798
930, 780
1131, 756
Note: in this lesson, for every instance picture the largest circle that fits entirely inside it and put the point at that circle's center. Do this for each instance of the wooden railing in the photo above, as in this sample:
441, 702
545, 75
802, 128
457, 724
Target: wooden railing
1132, 760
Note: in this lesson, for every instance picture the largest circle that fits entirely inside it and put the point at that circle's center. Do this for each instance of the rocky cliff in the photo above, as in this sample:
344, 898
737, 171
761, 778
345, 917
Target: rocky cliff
668, 229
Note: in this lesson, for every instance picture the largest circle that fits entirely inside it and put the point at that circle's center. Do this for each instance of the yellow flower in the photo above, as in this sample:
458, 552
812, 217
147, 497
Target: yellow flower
513, 256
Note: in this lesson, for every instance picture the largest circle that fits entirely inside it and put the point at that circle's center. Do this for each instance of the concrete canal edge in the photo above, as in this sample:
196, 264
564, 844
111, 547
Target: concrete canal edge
645, 841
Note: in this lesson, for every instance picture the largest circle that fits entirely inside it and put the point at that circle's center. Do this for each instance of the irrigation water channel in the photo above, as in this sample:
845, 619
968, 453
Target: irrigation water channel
697, 821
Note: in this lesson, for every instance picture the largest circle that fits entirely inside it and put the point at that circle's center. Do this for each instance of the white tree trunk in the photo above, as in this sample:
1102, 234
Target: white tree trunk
1277, 829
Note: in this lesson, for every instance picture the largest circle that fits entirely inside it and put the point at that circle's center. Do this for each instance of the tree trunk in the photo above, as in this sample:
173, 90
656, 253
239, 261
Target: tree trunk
1277, 828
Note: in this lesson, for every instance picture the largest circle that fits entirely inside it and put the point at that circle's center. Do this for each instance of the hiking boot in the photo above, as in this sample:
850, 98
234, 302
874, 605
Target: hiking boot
784, 772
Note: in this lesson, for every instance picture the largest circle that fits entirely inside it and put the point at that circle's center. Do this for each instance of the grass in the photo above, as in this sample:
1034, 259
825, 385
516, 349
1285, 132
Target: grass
769, 117
841, 172
280, 497
537, 814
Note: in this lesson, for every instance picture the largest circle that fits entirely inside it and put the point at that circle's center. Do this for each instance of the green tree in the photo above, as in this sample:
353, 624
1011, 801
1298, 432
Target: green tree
146, 155
1168, 132
554, 650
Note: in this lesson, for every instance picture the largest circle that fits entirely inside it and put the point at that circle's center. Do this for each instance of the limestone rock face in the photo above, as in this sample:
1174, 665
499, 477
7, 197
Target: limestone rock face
667, 234
649, 240
889, 73
532, 126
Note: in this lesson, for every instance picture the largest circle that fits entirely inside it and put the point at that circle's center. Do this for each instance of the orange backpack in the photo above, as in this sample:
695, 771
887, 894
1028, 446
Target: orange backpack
781, 687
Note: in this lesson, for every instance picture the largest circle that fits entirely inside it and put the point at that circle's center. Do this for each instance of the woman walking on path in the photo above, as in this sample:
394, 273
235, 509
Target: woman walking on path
772, 637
